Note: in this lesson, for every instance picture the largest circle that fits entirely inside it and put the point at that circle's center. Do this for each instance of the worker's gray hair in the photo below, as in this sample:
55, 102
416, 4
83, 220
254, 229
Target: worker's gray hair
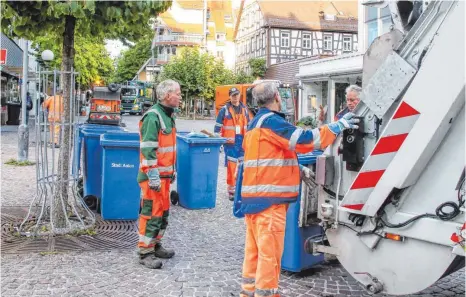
165, 87
264, 93
354, 88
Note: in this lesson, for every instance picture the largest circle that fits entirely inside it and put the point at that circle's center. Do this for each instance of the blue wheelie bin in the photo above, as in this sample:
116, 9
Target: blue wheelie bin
92, 158
294, 258
78, 142
120, 165
197, 170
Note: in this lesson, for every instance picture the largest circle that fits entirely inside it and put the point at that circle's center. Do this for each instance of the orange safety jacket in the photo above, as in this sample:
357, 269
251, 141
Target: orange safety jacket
271, 171
54, 106
158, 143
230, 124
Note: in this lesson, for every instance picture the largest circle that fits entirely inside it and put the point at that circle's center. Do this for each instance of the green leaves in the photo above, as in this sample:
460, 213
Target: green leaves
132, 60
198, 73
258, 67
110, 19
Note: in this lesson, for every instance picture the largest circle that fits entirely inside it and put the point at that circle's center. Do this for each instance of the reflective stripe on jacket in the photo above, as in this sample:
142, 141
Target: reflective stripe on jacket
158, 143
271, 169
228, 120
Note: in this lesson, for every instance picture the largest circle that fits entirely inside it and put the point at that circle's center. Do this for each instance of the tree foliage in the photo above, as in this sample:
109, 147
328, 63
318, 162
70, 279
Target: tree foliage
109, 19
92, 60
132, 59
244, 78
198, 73
258, 67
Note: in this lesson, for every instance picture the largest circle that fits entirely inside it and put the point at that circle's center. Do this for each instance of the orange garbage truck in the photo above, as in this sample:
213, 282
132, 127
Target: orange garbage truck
222, 97
286, 93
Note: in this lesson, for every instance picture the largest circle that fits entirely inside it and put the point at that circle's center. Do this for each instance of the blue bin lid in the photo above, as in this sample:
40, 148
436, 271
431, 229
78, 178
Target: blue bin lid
120, 139
99, 129
206, 140
309, 158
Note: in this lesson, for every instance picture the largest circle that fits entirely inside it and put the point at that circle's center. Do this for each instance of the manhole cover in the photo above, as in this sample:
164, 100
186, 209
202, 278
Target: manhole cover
110, 235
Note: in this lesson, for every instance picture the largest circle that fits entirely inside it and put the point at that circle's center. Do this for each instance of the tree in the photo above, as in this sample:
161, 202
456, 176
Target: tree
92, 60
198, 73
103, 19
132, 59
243, 78
258, 67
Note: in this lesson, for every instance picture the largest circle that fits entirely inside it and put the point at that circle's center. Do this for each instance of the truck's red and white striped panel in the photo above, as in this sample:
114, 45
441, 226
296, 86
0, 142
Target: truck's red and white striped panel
381, 156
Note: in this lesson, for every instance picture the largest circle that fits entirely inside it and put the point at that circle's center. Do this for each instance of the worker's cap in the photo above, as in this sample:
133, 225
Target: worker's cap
233, 91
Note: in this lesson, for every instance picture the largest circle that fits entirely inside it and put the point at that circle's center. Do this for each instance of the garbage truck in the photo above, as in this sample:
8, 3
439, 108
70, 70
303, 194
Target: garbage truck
286, 94
391, 194
136, 97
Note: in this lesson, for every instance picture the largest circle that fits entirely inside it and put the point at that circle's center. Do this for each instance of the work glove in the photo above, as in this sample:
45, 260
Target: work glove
173, 178
154, 179
346, 122
306, 172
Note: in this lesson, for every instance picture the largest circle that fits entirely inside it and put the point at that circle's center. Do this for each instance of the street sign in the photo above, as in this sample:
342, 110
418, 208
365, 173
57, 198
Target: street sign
3, 53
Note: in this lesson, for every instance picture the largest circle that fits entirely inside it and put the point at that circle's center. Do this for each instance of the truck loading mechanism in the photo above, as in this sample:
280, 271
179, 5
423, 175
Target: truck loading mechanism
391, 194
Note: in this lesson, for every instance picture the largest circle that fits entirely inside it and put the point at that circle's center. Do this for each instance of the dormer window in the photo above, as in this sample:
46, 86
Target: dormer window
329, 17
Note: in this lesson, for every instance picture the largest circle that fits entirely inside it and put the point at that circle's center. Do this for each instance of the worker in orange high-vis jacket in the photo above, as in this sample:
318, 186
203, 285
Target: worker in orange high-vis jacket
54, 107
157, 172
271, 179
231, 123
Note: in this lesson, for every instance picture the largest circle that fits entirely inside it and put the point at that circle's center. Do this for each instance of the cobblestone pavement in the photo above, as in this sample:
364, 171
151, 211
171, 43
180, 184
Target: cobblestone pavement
208, 243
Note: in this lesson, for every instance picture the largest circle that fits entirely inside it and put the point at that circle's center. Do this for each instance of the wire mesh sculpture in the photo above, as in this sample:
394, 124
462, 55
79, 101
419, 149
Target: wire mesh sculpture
58, 206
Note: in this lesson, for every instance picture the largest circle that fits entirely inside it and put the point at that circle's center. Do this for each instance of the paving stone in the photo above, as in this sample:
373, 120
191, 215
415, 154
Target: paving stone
209, 247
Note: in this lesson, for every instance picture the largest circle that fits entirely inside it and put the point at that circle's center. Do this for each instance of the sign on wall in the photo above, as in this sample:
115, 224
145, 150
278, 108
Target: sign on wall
3, 53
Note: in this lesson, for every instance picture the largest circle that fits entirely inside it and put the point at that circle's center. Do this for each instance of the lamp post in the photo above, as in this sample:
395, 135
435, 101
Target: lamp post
23, 131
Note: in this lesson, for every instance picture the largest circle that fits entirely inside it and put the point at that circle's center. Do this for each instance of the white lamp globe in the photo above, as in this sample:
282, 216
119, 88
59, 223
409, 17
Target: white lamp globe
47, 55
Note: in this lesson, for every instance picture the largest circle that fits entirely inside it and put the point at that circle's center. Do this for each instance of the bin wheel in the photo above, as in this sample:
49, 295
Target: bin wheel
174, 197
98, 206
91, 201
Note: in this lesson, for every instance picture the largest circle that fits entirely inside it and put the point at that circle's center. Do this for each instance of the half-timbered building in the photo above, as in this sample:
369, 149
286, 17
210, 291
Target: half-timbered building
280, 31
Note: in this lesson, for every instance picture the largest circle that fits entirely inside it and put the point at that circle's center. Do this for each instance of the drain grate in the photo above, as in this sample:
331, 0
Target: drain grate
110, 235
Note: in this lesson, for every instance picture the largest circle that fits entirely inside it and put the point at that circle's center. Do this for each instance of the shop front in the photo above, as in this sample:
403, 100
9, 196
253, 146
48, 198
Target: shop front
10, 82
323, 83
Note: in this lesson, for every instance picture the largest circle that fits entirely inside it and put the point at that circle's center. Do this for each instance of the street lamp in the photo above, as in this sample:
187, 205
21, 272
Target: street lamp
47, 55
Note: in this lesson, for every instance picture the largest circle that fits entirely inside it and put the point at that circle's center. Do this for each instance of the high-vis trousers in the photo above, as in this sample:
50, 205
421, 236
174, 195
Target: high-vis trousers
233, 155
153, 215
54, 129
265, 236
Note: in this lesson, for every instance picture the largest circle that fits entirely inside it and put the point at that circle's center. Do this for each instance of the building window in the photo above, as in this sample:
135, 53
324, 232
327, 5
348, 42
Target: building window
227, 17
247, 46
377, 22
347, 42
173, 50
220, 37
306, 40
328, 46
220, 54
263, 44
257, 42
284, 39
253, 44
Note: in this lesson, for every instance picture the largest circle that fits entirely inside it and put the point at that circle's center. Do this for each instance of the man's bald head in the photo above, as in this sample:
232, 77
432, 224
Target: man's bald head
264, 93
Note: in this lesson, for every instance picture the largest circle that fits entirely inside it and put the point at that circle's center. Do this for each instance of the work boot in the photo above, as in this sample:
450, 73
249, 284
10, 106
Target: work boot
150, 261
231, 197
161, 252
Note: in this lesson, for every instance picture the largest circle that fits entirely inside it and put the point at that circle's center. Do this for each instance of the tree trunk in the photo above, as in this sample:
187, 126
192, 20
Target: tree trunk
63, 161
